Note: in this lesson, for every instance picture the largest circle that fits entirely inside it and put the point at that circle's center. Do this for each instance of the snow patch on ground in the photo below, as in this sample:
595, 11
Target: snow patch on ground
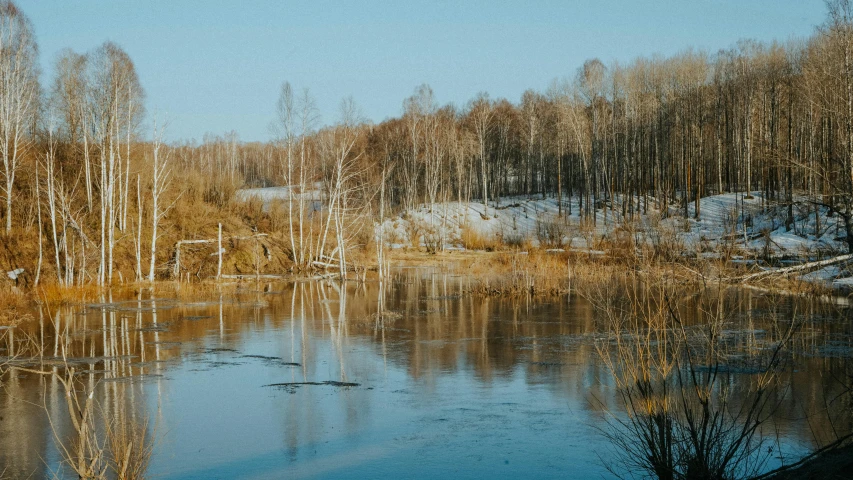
512, 220
761, 228
748, 224
268, 195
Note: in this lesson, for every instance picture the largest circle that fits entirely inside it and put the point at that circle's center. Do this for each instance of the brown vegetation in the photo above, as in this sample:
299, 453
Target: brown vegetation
98, 203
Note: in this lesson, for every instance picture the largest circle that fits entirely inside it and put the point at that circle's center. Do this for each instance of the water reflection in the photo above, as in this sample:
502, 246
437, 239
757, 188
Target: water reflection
448, 384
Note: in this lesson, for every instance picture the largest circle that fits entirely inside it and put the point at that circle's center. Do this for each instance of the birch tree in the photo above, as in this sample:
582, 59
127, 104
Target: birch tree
286, 109
114, 100
19, 93
67, 100
297, 118
418, 113
160, 181
341, 162
51, 175
481, 113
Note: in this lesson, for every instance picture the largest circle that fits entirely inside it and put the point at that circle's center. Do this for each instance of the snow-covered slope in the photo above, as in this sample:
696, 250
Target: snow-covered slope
512, 220
751, 224
751, 227
760, 226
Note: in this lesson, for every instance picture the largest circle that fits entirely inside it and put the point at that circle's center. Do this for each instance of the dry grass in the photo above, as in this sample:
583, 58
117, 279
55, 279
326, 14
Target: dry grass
54, 295
474, 240
14, 307
539, 272
515, 267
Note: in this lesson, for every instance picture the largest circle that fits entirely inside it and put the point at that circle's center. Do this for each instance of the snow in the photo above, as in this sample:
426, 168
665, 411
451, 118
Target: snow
513, 220
753, 229
761, 226
268, 195
752, 226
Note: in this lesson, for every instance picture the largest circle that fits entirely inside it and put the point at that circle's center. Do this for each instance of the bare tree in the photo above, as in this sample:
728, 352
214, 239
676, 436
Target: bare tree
307, 118
114, 100
418, 114
341, 162
67, 100
160, 181
286, 109
481, 113
19, 93
51, 175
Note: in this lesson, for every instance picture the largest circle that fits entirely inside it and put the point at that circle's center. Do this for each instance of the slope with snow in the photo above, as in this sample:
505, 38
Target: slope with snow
749, 225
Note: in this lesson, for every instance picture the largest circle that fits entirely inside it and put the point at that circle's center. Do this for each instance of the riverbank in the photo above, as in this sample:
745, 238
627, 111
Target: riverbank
500, 272
514, 246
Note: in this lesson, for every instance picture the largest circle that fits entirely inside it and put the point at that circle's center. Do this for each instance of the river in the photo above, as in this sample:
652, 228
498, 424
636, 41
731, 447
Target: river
305, 380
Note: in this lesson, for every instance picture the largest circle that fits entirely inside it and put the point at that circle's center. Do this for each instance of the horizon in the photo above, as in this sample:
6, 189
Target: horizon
220, 69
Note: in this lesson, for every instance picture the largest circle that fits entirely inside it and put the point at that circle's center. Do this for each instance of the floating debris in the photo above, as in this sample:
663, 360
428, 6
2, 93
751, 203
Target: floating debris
132, 378
261, 357
276, 360
546, 364
216, 364
331, 383
220, 350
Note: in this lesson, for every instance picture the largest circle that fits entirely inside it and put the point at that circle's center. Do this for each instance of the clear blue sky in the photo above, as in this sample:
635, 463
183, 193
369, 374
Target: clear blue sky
216, 66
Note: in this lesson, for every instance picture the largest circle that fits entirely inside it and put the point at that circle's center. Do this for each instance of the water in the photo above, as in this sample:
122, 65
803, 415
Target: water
455, 386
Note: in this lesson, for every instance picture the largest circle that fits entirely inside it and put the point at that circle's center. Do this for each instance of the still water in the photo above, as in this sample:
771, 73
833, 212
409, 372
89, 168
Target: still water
304, 380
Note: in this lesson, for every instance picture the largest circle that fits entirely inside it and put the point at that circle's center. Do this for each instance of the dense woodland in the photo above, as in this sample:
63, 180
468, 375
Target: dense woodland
92, 194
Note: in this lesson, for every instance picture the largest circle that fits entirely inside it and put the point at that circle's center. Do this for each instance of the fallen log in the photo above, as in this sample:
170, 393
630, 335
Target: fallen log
798, 268
251, 276
324, 264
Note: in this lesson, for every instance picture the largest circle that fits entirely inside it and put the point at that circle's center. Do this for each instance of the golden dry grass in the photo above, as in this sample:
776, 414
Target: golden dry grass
474, 240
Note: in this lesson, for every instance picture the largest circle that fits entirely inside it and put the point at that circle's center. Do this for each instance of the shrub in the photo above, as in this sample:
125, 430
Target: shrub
550, 231
221, 192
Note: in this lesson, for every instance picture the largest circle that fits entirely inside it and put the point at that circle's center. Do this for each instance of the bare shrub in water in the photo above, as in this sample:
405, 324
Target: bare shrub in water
129, 448
690, 412
12, 345
103, 444
84, 452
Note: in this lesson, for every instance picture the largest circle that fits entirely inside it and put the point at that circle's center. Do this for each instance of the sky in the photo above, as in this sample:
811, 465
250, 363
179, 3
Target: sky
216, 66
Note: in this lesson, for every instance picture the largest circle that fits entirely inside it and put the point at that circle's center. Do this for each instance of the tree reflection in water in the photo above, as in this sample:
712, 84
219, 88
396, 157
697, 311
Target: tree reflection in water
494, 386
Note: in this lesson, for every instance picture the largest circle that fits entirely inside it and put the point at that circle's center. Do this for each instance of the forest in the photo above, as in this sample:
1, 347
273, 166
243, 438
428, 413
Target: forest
94, 195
